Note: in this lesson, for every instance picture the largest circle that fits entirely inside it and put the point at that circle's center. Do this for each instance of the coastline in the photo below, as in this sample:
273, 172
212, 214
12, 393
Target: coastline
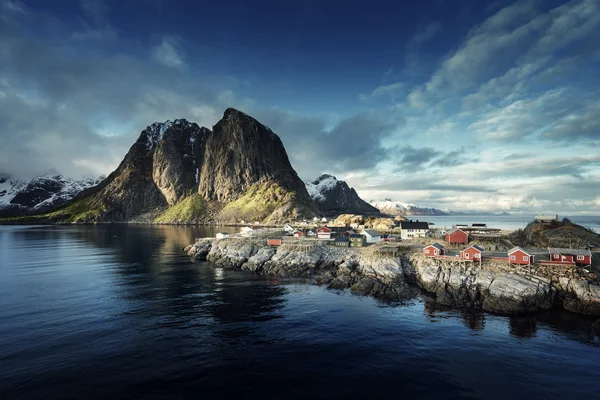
493, 288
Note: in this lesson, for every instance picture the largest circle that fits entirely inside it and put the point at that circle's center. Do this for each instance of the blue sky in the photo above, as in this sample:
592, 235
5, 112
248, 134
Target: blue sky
478, 105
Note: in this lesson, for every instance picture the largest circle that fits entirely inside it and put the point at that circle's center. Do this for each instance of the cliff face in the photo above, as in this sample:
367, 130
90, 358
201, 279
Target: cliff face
333, 196
178, 172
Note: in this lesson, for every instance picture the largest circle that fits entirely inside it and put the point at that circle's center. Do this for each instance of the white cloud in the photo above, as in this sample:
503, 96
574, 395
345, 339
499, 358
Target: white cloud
425, 34
392, 91
167, 53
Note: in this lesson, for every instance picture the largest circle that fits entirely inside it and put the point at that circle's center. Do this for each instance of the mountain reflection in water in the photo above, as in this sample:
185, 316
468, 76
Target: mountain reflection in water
118, 311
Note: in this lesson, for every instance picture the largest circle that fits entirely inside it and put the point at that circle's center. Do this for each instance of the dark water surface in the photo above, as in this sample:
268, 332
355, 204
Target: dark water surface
119, 312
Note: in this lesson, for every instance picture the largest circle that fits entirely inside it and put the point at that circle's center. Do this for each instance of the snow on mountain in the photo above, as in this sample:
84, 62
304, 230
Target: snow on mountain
40, 194
318, 188
390, 207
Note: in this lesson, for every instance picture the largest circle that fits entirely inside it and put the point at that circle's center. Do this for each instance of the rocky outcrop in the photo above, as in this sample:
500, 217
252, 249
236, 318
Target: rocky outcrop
335, 268
493, 288
555, 234
333, 196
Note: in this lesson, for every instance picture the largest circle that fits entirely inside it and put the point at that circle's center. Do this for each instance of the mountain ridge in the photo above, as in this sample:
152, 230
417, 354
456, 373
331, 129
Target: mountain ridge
334, 196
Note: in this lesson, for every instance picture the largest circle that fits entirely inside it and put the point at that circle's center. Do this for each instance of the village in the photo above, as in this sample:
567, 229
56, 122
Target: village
462, 243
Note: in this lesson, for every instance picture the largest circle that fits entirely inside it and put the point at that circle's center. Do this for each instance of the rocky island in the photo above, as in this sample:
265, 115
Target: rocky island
494, 286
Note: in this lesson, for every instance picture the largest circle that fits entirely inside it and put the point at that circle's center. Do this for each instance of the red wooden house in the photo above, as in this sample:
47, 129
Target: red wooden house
433, 250
274, 242
298, 234
456, 235
520, 256
473, 252
324, 233
575, 256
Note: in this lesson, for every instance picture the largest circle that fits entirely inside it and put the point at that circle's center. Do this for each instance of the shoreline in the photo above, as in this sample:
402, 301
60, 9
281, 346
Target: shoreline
493, 288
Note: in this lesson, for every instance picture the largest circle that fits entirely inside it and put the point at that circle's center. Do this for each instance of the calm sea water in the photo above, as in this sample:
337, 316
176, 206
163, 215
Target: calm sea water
119, 312
504, 221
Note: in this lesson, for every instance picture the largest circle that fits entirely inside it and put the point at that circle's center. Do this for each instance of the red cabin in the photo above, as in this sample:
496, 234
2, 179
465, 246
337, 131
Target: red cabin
472, 252
324, 233
520, 256
433, 250
575, 256
274, 242
298, 234
456, 235
348, 233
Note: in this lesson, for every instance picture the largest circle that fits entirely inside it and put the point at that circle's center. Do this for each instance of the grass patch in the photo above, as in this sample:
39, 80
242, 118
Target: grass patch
190, 209
81, 211
258, 203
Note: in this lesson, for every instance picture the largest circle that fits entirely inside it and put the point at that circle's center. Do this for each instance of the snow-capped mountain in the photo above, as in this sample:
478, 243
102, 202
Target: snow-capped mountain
390, 207
334, 196
41, 194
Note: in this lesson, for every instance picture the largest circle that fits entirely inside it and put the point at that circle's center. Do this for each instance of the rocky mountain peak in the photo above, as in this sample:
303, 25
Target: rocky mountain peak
335, 196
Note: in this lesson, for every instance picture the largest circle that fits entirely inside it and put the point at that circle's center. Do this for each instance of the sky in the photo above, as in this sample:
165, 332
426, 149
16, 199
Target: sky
462, 105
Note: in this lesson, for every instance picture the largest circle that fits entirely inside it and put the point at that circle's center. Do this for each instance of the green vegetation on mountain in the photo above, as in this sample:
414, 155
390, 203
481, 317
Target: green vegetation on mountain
189, 210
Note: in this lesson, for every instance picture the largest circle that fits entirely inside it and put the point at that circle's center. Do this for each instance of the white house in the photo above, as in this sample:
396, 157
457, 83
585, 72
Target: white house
288, 228
411, 229
324, 233
311, 233
371, 235
222, 235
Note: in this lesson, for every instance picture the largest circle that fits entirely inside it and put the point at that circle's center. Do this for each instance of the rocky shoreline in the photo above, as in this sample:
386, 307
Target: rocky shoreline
493, 287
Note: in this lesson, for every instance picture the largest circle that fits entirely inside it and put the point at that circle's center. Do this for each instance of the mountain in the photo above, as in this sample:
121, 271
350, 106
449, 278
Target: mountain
179, 172
41, 194
390, 207
333, 196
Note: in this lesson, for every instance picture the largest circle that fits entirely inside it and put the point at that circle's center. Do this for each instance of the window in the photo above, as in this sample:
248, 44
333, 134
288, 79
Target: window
477, 255
513, 258
435, 252
466, 255
525, 258
426, 251
580, 257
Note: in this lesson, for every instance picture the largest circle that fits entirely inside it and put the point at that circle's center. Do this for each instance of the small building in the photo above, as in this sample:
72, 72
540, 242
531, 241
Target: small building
256, 223
348, 233
311, 233
222, 235
473, 252
545, 218
342, 242
576, 256
520, 256
461, 226
457, 236
323, 219
357, 240
371, 235
288, 228
324, 233
479, 226
298, 234
412, 229
274, 242
433, 250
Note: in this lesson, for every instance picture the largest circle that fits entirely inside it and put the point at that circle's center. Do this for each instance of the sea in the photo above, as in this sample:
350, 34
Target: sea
505, 222
120, 312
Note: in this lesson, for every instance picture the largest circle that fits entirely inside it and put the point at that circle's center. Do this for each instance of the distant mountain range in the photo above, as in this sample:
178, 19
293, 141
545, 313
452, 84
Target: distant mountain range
390, 207
41, 194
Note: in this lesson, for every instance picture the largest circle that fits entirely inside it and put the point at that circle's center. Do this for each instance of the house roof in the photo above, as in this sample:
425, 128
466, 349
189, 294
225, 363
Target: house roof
324, 228
356, 235
436, 245
371, 232
414, 225
475, 247
273, 238
479, 225
341, 239
451, 231
574, 252
223, 233
517, 248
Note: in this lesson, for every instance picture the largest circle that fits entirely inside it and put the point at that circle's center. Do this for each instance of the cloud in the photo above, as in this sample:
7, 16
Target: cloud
316, 146
168, 53
425, 34
392, 91
411, 157
95, 10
